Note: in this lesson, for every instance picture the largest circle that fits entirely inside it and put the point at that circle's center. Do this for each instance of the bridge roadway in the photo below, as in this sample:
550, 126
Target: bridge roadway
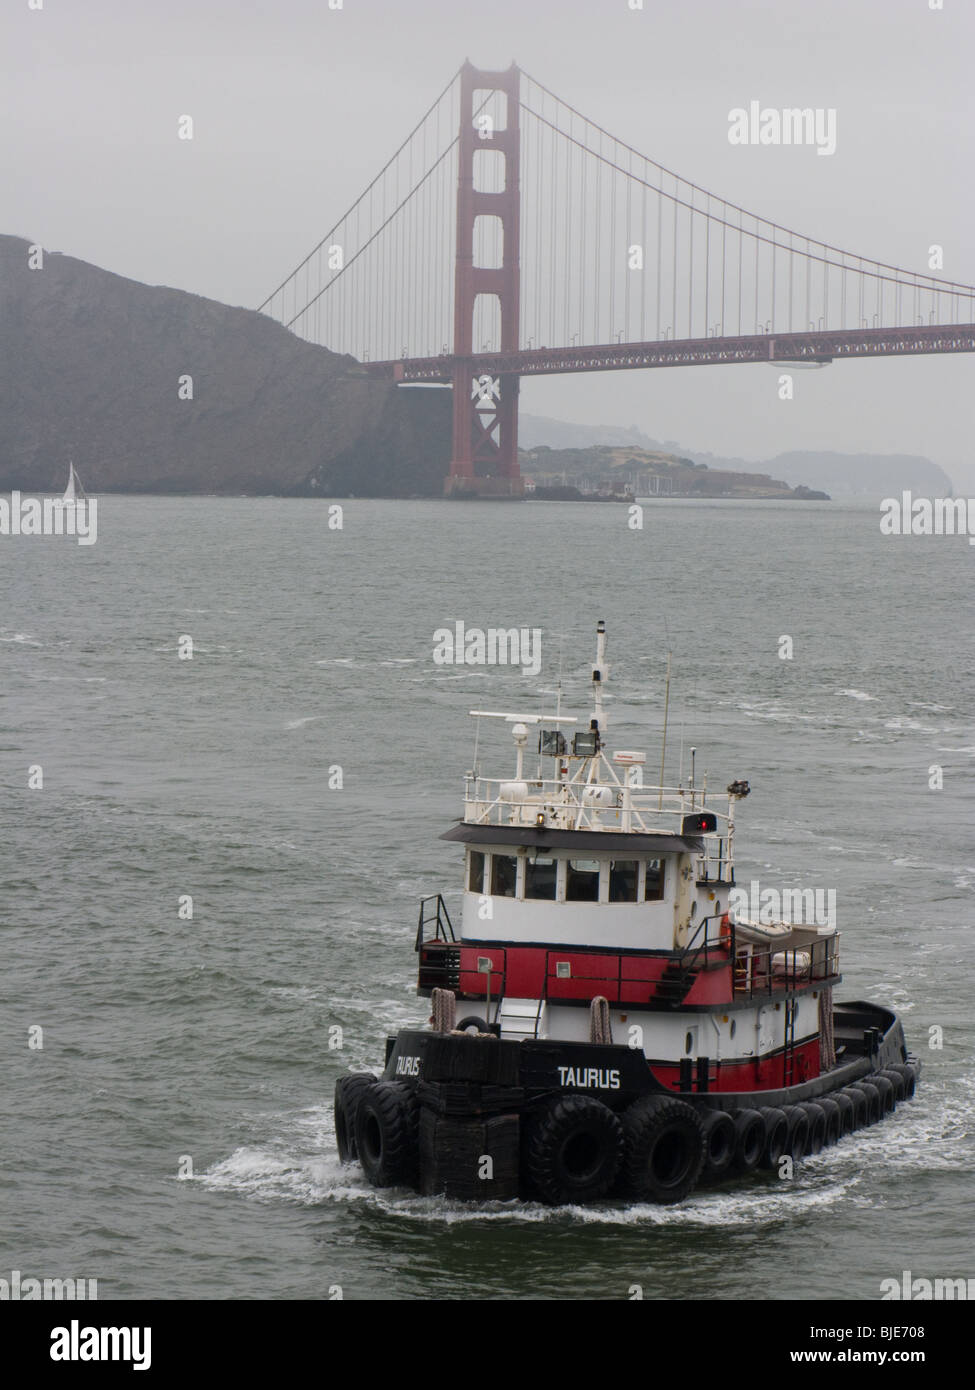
822, 346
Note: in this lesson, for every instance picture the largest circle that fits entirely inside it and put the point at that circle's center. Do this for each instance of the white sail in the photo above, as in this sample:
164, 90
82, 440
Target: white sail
75, 491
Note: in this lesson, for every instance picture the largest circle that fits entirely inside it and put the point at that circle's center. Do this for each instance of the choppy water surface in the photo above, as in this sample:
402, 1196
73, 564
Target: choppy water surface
166, 1038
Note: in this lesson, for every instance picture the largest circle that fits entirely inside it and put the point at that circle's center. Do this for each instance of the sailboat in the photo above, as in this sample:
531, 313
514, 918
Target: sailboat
74, 492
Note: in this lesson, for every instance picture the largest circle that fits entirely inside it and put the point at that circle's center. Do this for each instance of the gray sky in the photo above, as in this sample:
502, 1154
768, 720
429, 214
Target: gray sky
297, 106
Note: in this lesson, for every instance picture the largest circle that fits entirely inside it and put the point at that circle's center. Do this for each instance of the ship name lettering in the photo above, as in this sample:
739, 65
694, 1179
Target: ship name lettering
407, 1066
590, 1077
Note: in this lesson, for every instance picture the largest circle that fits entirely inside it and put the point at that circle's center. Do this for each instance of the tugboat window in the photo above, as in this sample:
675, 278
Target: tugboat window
540, 876
582, 881
654, 887
475, 872
504, 875
622, 880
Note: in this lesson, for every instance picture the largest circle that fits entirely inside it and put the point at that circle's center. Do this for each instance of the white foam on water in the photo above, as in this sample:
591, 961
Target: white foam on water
24, 638
933, 1133
858, 695
298, 723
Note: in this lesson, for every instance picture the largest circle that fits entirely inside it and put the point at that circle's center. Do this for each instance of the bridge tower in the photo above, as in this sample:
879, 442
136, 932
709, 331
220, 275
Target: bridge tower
484, 457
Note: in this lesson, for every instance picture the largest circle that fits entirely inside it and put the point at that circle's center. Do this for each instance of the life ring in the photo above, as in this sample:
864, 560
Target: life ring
663, 1151
387, 1134
573, 1149
349, 1090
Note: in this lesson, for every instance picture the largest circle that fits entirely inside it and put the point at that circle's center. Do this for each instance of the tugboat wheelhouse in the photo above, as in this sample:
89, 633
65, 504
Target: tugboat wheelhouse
604, 1023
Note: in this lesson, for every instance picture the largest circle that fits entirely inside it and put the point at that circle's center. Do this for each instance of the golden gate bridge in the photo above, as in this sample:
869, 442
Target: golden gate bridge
511, 236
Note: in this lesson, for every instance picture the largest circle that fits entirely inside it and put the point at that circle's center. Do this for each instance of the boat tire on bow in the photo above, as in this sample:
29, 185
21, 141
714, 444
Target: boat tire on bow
573, 1150
349, 1090
471, 1025
387, 1134
663, 1149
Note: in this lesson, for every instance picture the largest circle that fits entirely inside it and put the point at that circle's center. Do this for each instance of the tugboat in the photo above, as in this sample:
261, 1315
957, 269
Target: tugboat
605, 1022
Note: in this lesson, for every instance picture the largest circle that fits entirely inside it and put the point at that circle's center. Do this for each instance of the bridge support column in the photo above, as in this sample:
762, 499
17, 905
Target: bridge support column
484, 458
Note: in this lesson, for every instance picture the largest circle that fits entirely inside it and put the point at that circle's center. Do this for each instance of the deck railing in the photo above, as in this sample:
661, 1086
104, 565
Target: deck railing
574, 804
768, 969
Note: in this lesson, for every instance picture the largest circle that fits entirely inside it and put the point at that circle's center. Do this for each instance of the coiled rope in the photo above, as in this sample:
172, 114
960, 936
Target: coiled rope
600, 1028
444, 1010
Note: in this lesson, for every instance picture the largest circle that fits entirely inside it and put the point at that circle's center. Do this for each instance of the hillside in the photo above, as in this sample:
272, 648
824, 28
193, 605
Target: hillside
91, 370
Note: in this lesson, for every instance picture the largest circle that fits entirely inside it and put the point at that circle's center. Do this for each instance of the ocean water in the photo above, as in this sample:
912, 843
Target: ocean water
173, 1136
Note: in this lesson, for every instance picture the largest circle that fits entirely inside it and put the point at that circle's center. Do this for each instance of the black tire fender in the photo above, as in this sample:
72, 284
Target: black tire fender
834, 1119
663, 1152
572, 1151
861, 1106
816, 1141
910, 1075
872, 1096
749, 1140
720, 1138
888, 1096
848, 1112
776, 1136
349, 1090
896, 1079
387, 1134
798, 1131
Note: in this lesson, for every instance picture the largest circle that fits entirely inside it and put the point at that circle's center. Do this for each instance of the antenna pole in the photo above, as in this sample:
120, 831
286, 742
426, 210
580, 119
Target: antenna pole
663, 750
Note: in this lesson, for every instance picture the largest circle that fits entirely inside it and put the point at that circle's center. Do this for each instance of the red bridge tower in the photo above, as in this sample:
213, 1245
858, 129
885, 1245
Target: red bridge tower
484, 459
